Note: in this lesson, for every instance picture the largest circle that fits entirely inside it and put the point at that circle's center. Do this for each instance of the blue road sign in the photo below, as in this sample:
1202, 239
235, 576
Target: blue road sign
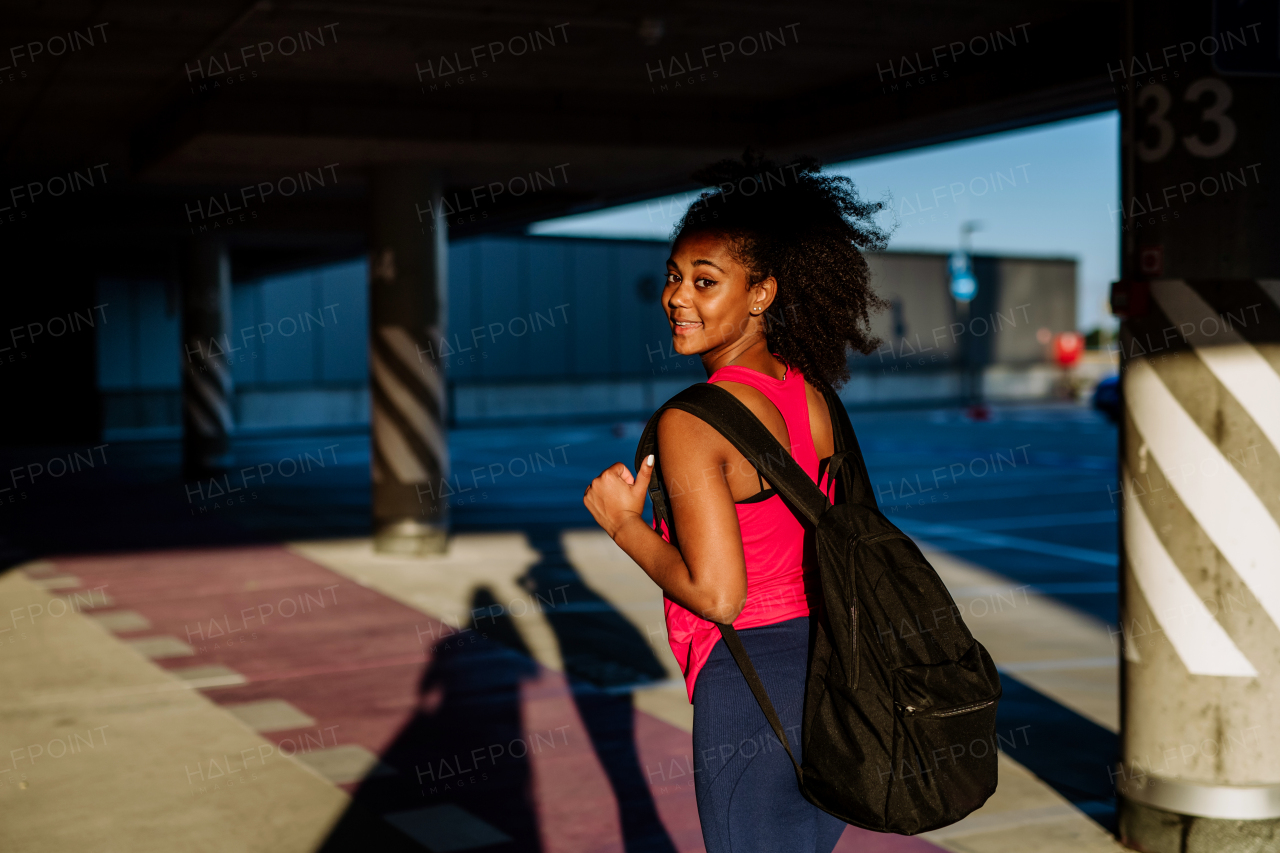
963, 285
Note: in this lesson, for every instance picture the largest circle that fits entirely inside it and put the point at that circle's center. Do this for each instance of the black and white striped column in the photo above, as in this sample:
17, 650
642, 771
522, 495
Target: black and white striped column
408, 286
1199, 87
1201, 534
206, 375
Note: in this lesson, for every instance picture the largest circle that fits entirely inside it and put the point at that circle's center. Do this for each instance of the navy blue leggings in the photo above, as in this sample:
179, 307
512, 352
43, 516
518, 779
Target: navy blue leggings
748, 800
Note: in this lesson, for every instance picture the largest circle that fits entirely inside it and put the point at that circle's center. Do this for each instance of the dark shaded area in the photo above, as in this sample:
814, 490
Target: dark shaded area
48, 356
837, 83
1068, 752
132, 497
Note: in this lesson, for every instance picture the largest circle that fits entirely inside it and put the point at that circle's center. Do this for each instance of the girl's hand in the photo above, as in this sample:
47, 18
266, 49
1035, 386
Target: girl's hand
615, 495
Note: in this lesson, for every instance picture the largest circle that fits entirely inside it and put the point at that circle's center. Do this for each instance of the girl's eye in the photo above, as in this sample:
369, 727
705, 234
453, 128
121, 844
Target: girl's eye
672, 277
704, 282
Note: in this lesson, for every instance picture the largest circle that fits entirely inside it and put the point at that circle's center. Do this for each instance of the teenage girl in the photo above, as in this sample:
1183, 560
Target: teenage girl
770, 289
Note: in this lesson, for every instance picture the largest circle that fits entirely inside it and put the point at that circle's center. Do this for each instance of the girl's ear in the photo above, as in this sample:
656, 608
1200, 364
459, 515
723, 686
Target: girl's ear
765, 291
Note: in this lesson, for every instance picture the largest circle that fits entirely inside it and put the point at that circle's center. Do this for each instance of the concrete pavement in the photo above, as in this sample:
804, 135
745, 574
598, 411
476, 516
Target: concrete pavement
517, 692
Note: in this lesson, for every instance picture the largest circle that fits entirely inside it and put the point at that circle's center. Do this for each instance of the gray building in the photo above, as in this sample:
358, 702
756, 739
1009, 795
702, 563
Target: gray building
929, 343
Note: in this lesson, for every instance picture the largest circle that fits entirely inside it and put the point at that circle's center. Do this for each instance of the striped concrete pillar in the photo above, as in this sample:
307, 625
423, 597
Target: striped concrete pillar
206, 375
1200, 767
407, 298
1199, 88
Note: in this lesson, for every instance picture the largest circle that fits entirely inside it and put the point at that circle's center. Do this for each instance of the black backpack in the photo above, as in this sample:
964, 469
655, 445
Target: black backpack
900, 699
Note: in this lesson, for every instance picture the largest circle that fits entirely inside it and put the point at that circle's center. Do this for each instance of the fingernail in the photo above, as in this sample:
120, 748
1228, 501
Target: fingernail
649, 459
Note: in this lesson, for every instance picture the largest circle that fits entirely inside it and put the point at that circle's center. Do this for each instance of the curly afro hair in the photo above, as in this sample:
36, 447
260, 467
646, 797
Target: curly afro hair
808, 231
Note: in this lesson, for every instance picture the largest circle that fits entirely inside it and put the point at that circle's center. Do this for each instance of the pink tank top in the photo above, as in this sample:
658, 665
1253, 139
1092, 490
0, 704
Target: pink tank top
773, 539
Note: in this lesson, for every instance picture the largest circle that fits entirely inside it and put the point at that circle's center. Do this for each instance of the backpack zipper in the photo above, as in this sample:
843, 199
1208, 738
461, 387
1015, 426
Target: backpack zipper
851, 559
910, 710
853, 615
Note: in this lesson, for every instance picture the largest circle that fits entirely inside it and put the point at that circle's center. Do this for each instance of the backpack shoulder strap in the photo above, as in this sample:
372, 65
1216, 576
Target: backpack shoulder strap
739, 652
857, 484
734, 421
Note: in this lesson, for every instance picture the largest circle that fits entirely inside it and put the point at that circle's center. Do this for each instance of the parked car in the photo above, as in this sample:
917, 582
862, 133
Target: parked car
1106, 398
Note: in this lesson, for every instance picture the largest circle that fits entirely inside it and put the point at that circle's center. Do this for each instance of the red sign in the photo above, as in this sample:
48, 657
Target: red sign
1067, 348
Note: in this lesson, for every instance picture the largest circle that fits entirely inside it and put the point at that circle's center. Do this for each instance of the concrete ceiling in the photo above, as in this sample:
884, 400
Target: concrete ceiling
589, 98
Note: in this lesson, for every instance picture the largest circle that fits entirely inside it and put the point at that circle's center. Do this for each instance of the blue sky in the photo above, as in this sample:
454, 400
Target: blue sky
1043, 191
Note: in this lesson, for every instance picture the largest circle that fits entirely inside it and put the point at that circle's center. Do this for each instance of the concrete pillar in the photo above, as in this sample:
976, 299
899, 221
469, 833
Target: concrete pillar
407, 298
206, 375
1199, 769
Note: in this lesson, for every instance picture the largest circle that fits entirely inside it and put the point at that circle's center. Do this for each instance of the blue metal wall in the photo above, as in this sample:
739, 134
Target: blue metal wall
277, 334
536, 325
554, 309
520, 309
303, 328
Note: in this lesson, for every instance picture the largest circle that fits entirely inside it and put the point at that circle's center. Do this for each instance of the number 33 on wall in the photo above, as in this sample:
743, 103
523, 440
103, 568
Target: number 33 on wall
1215, 113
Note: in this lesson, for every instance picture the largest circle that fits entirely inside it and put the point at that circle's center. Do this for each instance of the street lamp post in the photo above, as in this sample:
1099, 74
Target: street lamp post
964, 286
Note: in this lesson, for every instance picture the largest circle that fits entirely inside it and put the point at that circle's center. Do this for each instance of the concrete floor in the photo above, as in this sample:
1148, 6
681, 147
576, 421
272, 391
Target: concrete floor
259, 697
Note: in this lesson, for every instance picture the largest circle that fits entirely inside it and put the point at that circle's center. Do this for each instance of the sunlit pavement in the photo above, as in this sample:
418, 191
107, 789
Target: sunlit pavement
516, 693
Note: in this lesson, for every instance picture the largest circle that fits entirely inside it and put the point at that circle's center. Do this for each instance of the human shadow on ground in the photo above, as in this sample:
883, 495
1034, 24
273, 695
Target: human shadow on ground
604, 657
462, 756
